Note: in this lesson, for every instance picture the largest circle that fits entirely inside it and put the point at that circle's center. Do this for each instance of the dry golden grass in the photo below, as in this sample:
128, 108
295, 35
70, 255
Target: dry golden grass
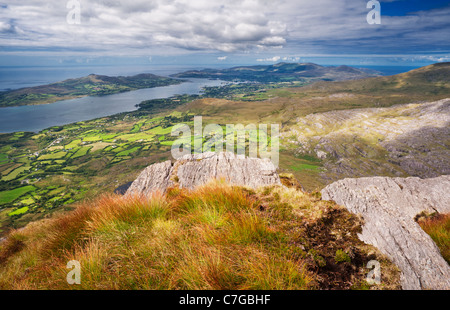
217, 237
438, 227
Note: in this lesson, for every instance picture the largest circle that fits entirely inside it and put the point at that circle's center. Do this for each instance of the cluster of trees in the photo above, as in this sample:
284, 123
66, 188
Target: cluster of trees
158, 105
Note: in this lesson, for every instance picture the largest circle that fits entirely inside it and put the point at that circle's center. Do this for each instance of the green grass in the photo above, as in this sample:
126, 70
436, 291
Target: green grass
305, 169
145, 136
15, 173
301, 167
73, 144
167, 143
81, 152
56, 191
19, 211
56, 155
27, 201
3, 158
11, 195
92, 139
160, 131
109, 137
128, 152
136, 128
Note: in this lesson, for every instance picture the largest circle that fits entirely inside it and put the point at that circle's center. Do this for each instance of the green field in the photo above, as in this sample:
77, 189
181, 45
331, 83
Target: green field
19, 211
3, 158
56, 155
301, 167
10, 196
12, 175
161, 131
81, 152
128, 152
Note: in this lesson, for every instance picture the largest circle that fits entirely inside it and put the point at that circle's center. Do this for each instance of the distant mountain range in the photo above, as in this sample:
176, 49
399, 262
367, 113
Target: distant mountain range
282, 72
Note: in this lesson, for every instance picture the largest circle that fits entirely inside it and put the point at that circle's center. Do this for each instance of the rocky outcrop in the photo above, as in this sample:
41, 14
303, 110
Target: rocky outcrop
191, 171
389, 206
406, 140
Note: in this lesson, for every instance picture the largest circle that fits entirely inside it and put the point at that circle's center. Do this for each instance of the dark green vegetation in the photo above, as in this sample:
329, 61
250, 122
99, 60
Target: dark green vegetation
248, 91
281, 72
92, 85
47, 172
217, 237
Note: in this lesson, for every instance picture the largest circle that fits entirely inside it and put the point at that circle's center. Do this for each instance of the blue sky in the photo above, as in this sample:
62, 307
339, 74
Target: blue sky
405, 7
223, 32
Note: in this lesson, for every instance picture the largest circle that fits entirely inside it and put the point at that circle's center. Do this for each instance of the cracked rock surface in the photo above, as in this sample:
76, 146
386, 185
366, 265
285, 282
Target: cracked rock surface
388, 206
191, 171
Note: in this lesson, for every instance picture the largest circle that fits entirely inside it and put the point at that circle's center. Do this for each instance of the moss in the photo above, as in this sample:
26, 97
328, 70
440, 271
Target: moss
341, 257
320, 261
360, 286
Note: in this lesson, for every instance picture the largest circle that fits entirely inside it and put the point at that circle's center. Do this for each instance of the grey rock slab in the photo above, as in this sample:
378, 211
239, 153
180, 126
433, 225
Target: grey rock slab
154, 178
191, 171
388, 206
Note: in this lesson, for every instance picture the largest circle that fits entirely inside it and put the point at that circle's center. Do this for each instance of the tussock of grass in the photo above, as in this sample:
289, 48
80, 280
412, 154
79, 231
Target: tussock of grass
438, 227
216, 237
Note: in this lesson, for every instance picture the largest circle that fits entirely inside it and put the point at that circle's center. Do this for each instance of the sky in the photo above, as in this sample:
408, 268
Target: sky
222, 32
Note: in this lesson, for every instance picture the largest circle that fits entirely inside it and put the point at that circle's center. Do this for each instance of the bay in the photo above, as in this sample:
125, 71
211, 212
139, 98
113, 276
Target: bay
38, 117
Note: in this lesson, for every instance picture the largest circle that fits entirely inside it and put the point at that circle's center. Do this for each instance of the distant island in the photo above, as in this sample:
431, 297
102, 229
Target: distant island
282, 72
92, 85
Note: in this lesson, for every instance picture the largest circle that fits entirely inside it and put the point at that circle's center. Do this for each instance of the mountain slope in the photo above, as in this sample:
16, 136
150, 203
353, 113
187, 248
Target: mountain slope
403, 140
430, 80
281, 72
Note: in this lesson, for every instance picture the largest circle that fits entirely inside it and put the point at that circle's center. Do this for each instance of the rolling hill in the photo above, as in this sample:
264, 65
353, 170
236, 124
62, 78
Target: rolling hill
281, 72
92, 85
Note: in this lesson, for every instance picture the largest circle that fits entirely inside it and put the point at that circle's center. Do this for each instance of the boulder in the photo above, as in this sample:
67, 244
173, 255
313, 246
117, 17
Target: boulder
191, 171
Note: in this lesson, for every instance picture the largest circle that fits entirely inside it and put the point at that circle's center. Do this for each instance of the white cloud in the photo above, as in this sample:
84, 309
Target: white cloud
187, 24
427, 58
164, 26
271, 59
222, 58
291, 58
